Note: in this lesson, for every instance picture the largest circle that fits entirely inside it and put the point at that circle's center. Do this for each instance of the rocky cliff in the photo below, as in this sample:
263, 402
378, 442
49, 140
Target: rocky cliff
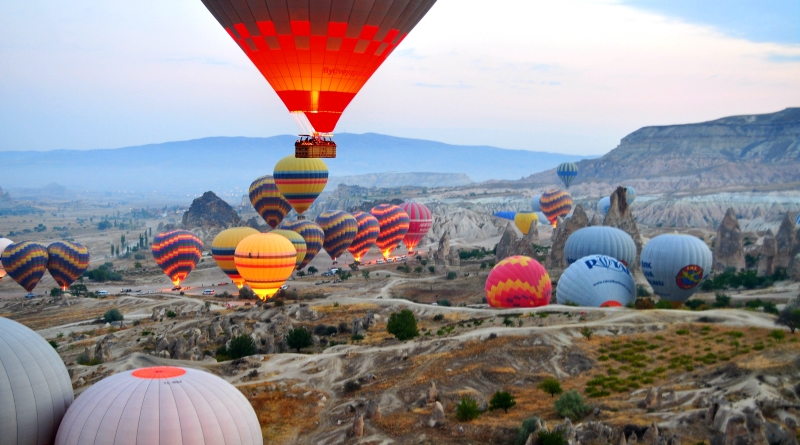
209, 211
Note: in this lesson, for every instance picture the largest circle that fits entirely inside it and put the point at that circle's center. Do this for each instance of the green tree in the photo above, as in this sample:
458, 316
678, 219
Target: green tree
112, 315
431, 269
53, 344
403, 325
78, 289
467, 410
112, 250
587, 332
789, 317
299, 338
571, 405
241, 346
502, 400
312, 270
418, 269
365, 274
354, 265
247, 294
551, 386
56, 292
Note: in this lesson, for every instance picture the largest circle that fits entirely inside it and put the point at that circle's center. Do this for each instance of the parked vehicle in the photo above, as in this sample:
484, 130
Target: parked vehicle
102, 293
209, 292
30, 295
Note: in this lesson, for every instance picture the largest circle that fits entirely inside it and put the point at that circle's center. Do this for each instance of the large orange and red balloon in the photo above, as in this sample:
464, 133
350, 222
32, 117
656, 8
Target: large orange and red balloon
268, 201
25, 263
420, 222
368, 231
518, 281
393, 222
177, 253
66, 262
265, 261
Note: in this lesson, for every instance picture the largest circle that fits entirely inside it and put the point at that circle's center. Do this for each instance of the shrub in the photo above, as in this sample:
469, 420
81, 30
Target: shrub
241, 346
467, 409
431, 269
507, 321
789, 317
551, 438
356, 337
642, 291
444, 303
551, 386
664, 304
587, 332
777, 334
53, 344
246, 293
694, 304
524, 431
722, 300
571, 405
438, 317
171, 314
86, 361
343, 327
299, 338
113, 315
351, 386
403, 325
644, 304
682, 332
502, 400
451, 275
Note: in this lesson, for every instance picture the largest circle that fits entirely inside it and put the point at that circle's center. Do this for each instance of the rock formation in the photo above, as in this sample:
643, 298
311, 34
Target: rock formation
786, 240
729, 244
433, 394
358, 425
209, 211
102, 349
556, 262
441, 256
620, 216
769, 250
508, 243
437, 415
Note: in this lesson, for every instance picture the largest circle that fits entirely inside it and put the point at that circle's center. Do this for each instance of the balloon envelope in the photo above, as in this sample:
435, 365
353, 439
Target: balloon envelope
604, 205
535, 203
675, 265
340, 230
265, 261
506, 215
555, 203
66, 262
297, 241
567, 172
596, 281
312, 234
317, 55
518, 281
523, 221
420, 222
223, 249
368, 231
25, 263
394, 226
300, 180
177, 253
4, 242
600, 240
268, 201
630, 194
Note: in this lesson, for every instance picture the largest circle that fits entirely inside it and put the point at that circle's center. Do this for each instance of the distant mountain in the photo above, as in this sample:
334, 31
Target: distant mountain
224, 163
744, 151
396, 179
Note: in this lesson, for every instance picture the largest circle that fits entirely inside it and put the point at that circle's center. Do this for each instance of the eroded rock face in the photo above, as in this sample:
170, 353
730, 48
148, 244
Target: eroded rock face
209, 211
769, 250
556, 261
621, 217
102, 349
442, 253
729, 244
786, 240
508, 243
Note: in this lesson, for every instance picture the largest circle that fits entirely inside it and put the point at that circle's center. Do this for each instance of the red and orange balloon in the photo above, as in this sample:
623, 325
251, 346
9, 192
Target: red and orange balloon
518, 281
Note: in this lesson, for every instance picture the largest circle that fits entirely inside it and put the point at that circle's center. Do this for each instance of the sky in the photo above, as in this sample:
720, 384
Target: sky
568, 76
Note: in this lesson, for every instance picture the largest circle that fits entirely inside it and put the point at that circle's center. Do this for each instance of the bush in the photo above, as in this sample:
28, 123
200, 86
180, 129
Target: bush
241, 346
86, 361
444, 303
502, 400
246, 293
467, 409
113, 315
438, 317
587, 332
299, 338
451, 275
527, 428
571, 405
694, 304
138, 256
53, 344
642, 291
343, 328
403, 325
551, 386
171, 314
664, 304
777, 334
351, 386
356, 337
103, 273
722, 300
551, 438
789, 317
644, 304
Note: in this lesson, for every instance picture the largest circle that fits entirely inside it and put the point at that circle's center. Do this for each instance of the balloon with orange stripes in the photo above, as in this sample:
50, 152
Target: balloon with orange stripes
265, 261
393, 223
177, 253
518, 281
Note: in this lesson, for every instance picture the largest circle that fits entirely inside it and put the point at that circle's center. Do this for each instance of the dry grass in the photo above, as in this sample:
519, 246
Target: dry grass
287, 415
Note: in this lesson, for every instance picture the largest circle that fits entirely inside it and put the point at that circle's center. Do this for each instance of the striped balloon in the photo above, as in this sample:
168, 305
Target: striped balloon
518, 281
25, 263
340, 230
420, 222
298, 242
268, 201
311, 233
555, 203
523, 221
265, 261
393, 222
567, 171
368, 231
224, 247
66, 262
177, 253
4, 242
301, 180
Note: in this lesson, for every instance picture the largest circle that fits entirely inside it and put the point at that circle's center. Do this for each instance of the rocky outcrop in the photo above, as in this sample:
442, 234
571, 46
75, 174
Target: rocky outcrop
786, 241
556, 262
437, 415
729, 244
432, 394
102, 349
508, 243
769, 250
620, 216
358, 425
443, 251
209, 211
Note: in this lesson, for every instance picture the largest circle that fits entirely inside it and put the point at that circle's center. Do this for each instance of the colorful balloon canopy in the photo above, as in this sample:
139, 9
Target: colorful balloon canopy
25, 263
368, 231
66, 262
518, 281
161, 405
177, 253
567, 172
4, 242
596, 281
300, 180
523, 221
675, 265
535, 203
393, 222
509, 215
604, 205
420, 222
268, 201
312, 234
265, 261
340, 230
600, 240
555, 204
318, 55
298, 242
223, 249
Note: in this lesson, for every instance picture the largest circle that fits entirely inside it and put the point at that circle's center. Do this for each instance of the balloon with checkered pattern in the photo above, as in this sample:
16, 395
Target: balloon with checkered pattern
518, 281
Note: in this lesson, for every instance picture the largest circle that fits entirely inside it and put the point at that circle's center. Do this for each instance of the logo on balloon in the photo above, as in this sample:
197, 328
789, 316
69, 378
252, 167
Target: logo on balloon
689, 277
606, 263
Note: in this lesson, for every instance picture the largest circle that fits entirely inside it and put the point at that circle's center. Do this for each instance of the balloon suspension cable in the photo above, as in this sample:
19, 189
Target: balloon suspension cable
303, 123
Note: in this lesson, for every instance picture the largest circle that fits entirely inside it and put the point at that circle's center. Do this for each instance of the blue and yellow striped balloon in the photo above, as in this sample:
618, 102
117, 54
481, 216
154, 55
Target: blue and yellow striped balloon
25, 263
367, 235
223, 249
66, 262
311, 233
340, 230
567, 171
297, 241
177, 253
394, 224
301, 180
268, 201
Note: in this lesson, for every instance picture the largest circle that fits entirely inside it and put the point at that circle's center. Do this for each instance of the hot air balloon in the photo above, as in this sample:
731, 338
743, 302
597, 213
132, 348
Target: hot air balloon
555, 203
506, 215
224, 247
630, 194
675, 265
265, 261
600, 240
66, 262
394, 225
297, 241
318, 55
523, 221
300, 181
35, 388
340, 230
535, 203
25, 263
604, 205
177, 253
368, 231
268, 201
312, 234
518, 281
567, 172
596, 281
420, 222
162, 405
4, 242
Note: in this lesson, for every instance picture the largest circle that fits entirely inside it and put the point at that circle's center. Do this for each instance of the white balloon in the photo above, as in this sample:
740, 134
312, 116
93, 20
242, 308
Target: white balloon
600, 240
596, 281
604, 205
535, 204
675, 265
